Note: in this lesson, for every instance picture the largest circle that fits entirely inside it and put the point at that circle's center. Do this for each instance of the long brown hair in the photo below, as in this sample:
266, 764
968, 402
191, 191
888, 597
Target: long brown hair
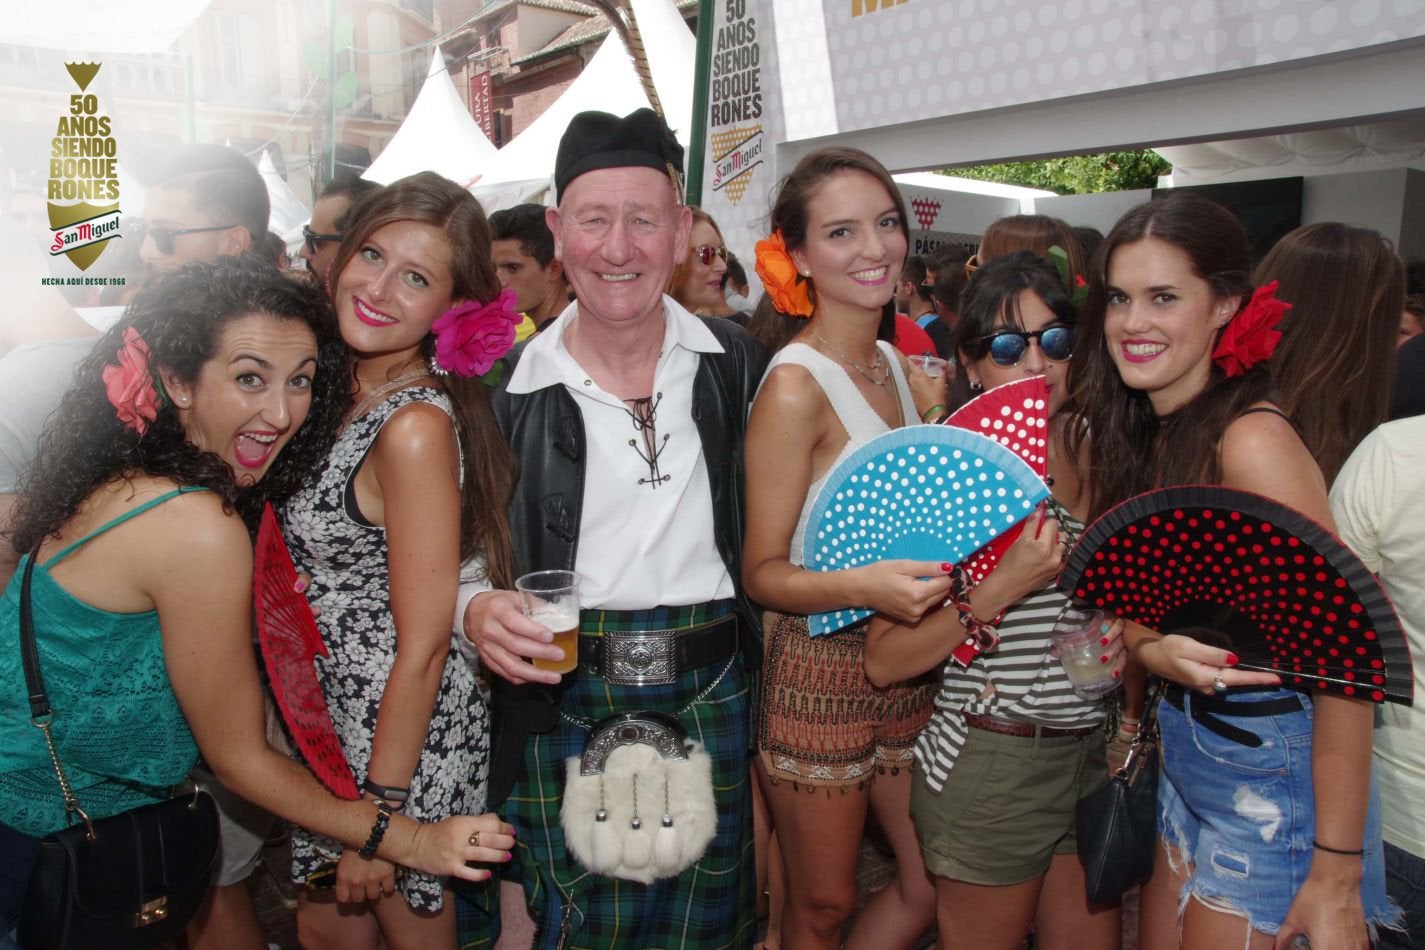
1130, 449
1336, 362
791, 208
1030, 232
489, 465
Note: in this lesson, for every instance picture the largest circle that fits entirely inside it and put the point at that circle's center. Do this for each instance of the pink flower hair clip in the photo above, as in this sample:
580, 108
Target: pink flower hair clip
130, 384
471, 336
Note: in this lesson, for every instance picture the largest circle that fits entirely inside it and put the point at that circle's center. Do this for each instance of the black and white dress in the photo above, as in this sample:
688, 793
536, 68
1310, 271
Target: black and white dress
346, 557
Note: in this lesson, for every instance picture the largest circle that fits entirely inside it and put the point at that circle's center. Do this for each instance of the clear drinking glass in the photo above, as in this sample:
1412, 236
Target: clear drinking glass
1077, 638
552, 598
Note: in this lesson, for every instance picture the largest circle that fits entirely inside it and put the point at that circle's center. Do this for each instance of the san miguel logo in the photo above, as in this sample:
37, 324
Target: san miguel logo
83, 176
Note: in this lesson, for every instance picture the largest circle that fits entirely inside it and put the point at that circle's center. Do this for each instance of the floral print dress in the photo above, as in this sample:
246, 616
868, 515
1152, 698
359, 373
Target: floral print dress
346, 557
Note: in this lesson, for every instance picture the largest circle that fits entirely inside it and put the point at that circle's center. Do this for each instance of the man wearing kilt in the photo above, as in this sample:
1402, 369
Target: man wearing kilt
627, 417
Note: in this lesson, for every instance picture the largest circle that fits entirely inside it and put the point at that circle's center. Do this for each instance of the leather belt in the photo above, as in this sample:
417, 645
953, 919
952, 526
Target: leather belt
1024, 730
657, 657
1208, 710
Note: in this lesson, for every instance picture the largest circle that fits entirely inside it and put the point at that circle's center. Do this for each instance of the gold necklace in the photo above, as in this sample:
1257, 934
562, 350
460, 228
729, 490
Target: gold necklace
386, 389
863, 370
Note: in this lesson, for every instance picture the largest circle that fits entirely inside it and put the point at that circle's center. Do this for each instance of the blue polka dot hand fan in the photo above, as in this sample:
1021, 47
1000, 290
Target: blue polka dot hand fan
926, 492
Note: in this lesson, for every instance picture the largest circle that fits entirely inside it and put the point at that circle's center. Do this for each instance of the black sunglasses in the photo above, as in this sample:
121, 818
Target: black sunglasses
312, 238
706, 253
163, 237
1007, 347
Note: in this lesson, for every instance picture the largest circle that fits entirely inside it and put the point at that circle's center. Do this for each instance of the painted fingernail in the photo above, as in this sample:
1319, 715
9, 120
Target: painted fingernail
1103, 642
300, 587
509, 856
1103, 659
1232, 659
946, 567
1117, 674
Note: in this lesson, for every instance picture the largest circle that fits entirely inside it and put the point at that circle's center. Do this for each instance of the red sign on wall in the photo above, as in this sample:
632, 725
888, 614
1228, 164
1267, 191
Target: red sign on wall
480, 103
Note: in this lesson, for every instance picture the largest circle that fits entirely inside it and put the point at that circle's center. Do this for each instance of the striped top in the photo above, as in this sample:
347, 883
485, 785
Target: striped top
1029, 685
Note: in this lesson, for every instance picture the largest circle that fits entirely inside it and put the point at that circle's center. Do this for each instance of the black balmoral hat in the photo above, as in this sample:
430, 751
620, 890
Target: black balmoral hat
597, 140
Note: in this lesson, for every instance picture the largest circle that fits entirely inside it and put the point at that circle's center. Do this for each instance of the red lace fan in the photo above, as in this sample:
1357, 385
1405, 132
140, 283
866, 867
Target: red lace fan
288, 635
1017, 416
1244, 573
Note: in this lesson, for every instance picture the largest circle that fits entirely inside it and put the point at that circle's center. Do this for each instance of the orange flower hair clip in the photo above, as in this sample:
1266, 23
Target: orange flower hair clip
787, 288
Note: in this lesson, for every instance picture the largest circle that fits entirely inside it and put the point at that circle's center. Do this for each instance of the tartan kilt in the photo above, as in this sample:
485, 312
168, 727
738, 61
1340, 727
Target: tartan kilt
711, 904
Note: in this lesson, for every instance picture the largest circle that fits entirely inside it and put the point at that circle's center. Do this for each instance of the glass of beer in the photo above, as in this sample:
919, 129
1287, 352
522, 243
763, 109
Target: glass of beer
552, 598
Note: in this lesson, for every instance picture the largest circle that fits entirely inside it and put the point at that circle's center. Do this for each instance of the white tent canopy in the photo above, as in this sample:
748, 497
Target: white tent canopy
288, 213
438, 135
1350, 148
608, 84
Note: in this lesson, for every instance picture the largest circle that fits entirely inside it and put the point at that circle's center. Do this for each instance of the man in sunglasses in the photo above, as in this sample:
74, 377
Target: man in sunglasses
321, 236
203, 202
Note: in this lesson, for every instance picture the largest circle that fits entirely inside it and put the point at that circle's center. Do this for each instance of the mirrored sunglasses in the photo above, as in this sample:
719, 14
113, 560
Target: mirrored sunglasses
706, 252
312, 238
163, 238
1007, 347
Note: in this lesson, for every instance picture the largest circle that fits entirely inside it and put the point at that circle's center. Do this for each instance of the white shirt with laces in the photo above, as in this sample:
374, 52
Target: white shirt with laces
646, 532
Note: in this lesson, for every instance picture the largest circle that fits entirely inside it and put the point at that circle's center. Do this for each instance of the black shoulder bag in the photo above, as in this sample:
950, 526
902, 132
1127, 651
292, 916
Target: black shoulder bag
132, 880
1118, 824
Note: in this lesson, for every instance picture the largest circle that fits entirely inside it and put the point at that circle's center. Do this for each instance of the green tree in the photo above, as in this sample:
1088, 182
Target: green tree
1076, 174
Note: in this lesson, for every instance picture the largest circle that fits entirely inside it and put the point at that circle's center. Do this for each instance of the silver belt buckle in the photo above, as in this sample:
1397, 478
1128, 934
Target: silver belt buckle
640, 658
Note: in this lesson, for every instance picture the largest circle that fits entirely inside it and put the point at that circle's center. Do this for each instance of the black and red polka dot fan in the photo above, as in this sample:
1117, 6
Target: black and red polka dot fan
1245, 573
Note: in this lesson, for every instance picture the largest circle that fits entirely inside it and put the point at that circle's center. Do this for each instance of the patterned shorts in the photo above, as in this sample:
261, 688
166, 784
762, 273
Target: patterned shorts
822, 723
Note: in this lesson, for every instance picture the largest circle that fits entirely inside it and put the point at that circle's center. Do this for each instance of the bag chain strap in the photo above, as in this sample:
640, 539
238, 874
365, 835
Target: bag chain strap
702, 695
41, 715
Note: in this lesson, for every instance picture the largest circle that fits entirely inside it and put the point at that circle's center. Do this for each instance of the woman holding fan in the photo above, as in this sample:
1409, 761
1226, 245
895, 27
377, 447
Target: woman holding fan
1267, 820
222, 385
1011, 747
417, 482
831, 266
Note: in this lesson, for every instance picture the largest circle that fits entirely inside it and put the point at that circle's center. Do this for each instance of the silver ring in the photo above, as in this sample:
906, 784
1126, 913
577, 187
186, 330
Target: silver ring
1217, 684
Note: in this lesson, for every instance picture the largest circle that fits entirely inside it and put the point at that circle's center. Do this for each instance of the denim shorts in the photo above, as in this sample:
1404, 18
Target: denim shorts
1244, 817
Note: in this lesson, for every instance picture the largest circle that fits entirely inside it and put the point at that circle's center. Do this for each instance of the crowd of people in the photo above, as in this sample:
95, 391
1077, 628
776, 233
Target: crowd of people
439, 403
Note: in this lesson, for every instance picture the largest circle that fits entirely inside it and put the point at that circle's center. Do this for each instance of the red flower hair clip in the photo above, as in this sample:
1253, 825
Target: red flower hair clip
785, 286
129, 385
471, 336
1252, 335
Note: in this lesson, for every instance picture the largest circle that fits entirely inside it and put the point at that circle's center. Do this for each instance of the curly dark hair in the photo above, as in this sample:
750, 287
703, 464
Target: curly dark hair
181, 317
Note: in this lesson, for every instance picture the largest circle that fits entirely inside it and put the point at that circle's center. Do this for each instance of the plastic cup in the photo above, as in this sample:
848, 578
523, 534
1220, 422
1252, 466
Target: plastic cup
1077, 639
932, 366
552, 598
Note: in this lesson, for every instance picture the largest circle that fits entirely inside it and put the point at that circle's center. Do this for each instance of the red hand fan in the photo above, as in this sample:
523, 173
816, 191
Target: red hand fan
288, 635
1244, 573
1017, 416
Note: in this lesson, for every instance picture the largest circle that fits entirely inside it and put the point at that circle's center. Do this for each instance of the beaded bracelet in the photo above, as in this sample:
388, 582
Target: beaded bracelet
378, 830
982, 635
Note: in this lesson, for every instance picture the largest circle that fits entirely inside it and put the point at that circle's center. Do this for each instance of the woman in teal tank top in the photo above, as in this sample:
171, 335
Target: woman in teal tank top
185, 419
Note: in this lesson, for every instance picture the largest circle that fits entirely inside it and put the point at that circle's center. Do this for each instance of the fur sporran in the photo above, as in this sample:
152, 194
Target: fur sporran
638, 804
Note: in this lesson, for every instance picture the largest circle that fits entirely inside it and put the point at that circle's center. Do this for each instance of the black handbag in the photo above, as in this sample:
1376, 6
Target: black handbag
131, 880
1118, 824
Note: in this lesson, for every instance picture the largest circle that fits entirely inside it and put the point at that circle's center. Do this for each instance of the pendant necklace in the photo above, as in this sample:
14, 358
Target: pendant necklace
866, 371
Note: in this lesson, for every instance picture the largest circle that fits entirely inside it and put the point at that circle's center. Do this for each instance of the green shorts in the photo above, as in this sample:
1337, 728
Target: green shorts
1007, 807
